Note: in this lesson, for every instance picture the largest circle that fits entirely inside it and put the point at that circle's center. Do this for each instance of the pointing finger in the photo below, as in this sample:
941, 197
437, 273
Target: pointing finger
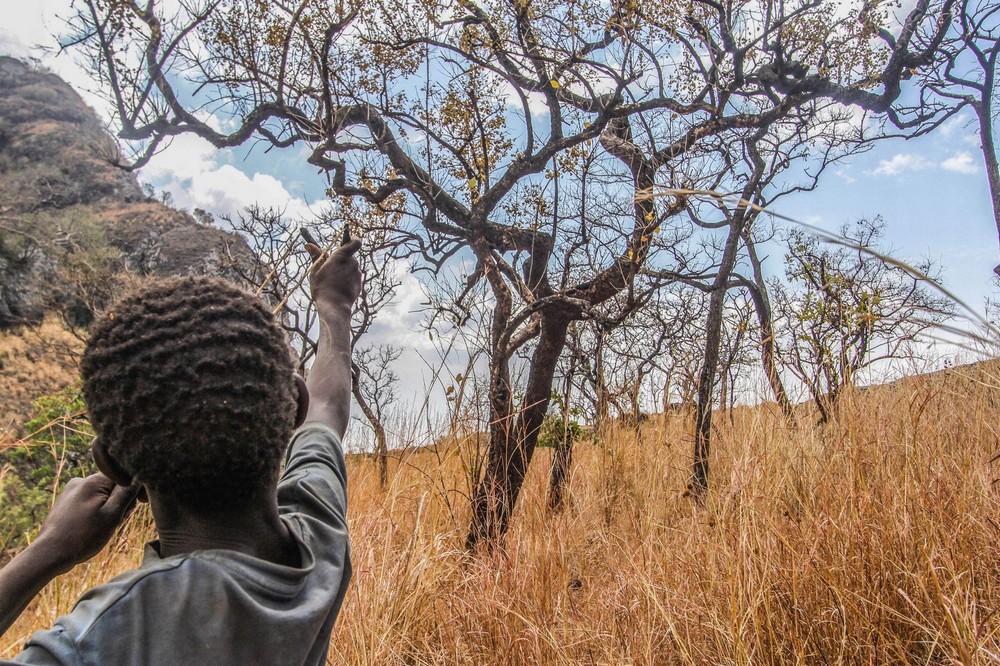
314, 251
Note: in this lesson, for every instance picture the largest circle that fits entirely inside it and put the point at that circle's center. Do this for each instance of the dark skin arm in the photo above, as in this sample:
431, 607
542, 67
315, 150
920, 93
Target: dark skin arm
336, 284
81, 523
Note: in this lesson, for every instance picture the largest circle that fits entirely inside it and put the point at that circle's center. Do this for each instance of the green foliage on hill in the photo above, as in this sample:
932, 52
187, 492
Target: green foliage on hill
55, 449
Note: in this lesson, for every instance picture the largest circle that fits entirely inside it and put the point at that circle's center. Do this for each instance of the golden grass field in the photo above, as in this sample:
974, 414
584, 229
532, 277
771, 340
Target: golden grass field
871, 540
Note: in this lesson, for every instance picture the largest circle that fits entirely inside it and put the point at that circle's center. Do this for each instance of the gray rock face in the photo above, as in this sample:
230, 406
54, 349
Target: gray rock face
22, 285
61, 198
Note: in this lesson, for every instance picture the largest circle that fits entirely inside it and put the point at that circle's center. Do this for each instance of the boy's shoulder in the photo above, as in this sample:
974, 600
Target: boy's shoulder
185, 608
211, 605
314, 481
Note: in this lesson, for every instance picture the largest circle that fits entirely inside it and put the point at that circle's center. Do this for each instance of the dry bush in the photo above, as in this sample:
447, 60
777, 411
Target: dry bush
870, 540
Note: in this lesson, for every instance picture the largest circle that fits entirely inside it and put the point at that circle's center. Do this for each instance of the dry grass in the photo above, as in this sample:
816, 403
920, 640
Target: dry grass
873, 540
34, 361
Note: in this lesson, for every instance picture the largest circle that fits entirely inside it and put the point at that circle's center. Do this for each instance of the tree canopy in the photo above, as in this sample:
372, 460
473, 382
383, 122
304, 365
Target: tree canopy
564, 146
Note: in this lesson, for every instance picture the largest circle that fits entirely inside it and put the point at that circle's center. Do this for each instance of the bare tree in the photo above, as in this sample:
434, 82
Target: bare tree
737, 329
376, 383
518, 91
966, 75
279, 275
846, 309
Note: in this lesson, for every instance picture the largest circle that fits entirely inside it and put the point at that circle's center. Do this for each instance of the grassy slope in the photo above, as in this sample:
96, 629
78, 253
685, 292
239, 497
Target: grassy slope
34, 361
872, 540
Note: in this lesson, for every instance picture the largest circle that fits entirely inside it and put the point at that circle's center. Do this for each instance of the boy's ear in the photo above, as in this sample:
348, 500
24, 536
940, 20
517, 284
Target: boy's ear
108, 465
303, 400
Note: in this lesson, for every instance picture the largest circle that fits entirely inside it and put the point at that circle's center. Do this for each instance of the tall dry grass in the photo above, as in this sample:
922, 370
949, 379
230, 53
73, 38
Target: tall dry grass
871, 540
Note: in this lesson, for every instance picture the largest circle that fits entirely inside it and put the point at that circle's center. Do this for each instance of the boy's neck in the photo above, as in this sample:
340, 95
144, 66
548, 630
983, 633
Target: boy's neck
253, 529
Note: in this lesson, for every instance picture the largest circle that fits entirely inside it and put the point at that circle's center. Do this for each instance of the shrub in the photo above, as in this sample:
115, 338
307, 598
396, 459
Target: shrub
55, 449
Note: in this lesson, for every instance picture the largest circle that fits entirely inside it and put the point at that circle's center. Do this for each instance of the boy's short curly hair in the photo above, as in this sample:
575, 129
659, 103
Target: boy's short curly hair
189, 384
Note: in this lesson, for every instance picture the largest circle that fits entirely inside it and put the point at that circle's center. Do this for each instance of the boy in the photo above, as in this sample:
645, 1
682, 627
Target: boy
191, 391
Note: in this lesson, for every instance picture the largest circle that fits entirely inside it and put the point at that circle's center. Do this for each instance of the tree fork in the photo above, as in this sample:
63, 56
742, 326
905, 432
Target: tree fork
510, 456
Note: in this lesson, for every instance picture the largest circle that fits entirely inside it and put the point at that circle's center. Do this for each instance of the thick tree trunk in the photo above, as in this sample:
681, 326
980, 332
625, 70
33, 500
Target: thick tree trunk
510, 455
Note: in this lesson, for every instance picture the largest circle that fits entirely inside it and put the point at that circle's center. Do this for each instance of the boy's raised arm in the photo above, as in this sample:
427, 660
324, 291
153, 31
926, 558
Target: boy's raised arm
336, 284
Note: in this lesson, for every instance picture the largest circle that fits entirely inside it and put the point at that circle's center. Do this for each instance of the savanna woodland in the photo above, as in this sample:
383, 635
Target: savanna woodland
668, 442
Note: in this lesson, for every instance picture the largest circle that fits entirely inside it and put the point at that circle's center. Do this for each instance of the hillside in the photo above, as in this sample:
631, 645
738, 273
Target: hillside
74, 232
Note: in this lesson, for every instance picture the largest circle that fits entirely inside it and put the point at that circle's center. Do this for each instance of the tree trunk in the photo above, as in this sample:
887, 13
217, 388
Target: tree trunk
667, 382
984, 115
724, 389
765, 318
762, 306
710, 363
381, 445
600, 388
562, 459
510, 455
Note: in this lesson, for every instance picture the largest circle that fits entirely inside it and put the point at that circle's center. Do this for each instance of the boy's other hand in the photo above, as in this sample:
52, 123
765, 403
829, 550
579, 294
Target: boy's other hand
336, 280
83, 519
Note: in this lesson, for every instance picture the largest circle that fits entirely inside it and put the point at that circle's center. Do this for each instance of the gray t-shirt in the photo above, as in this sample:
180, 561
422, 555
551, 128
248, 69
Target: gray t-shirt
220, 606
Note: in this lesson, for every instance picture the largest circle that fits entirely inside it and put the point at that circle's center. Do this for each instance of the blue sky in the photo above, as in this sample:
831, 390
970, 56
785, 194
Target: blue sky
931, 191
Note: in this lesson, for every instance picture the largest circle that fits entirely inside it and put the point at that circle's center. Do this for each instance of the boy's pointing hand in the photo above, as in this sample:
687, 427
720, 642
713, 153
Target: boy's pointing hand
336, 279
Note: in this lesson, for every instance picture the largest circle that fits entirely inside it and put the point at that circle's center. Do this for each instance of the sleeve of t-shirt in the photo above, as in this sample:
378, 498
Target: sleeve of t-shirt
314, 482
50, 647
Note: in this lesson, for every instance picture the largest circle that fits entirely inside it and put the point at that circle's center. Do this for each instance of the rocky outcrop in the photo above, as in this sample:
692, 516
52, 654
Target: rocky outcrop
62, 200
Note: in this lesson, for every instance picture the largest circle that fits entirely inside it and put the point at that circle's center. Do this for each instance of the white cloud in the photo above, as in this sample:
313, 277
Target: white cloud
961, 162
227, 189
962, 128
399, 320
537, 106
12, 45
972, 139
186, 154
845, 175
196, 175
30, 24
948, 129
899, 163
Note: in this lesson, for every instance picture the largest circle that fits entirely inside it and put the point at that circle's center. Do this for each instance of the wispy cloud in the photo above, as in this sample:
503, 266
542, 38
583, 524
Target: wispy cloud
962, 128
971, 139
846, 175
899, 163
962, 162
956, 124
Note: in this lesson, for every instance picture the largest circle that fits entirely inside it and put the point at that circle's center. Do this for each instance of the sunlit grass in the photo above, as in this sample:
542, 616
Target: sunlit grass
871, 540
